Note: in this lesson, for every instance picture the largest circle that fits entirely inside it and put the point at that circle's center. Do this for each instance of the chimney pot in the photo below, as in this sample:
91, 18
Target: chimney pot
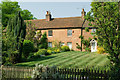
47, 12
83, 13
48, 16
82, 9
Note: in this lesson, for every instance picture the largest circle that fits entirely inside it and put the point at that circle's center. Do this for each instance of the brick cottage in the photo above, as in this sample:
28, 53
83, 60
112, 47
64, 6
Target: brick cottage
65, 30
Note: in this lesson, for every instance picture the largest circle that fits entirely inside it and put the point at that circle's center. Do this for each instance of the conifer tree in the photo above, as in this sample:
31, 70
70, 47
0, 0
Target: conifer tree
15, 35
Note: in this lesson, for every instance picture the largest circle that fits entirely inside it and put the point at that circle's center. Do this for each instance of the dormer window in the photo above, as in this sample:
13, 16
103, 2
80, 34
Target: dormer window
50, 33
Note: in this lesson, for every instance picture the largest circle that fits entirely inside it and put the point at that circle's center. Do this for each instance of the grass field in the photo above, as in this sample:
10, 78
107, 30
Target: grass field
71, 59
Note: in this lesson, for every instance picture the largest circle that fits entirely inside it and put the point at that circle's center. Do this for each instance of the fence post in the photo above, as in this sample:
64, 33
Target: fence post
101, 74
65, 73
105, 75
108, 74
92, 74
72, 73
80, 74
89, 74
95, 74
75, 74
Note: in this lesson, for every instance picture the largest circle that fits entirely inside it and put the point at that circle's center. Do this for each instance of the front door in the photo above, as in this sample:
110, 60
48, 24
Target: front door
93, 46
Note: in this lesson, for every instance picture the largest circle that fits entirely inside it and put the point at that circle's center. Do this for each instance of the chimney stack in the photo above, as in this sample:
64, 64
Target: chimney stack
48, 16
83, 13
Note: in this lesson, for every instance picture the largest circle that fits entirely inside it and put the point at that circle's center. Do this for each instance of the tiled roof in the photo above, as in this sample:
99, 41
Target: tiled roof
69, 22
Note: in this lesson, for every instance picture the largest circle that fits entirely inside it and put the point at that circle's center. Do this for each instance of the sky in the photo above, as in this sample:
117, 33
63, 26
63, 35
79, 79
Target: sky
57, 9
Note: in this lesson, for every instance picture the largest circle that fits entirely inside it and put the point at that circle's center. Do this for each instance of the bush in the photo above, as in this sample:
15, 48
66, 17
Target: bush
57, 50
12, 57
65, 48
49, 51
45, 73
31, 56
87, 49
41, 52
54, 50
4, 57
100, 50
43, 42
27, 47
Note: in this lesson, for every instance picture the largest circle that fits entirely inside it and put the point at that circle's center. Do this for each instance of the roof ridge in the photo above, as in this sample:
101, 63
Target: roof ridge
55, 18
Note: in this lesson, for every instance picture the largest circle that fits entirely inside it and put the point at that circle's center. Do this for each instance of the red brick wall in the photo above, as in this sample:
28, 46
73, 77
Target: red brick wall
86, 36
61, 35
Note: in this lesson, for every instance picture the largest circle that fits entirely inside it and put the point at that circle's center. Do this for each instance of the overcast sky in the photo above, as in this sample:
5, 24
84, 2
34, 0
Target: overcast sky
57, 9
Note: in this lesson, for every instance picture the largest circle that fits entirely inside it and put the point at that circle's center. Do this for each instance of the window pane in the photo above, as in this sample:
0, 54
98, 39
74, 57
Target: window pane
50, 33
49, 44
61, 44
93, 30
69, 44
69, 32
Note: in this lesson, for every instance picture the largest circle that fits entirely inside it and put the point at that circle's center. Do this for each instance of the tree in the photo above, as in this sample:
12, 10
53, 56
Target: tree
43, 42
9, 10
16, 31
85, 42
27, 48
31, 31
26, 15
32, 34
105, 16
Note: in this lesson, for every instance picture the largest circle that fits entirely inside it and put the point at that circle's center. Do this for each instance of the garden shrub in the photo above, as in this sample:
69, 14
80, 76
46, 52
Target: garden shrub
57, 50
41, 52
43, 42
100, 50
45, 73
65, 48
4, 57
27, 47
31, 56
10, 57
54, 50
49, 51
114, 73
57, 44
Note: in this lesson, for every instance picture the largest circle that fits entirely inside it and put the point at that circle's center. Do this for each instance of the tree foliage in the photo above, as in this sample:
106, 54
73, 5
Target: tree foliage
9, 10
85, 42
105, 16
30, 30
43, 42
13, 39
28, 47
26, 15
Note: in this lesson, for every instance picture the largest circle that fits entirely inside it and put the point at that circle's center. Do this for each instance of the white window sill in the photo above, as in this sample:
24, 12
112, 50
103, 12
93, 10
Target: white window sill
50, 36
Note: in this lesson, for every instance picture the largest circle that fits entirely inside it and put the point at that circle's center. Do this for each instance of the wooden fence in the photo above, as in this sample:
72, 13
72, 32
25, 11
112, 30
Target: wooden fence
69, 74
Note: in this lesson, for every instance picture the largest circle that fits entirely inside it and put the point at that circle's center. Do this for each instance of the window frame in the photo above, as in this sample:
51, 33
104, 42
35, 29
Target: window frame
49, 45
93, 30
50, 34
69, 32
71, 44
62, 44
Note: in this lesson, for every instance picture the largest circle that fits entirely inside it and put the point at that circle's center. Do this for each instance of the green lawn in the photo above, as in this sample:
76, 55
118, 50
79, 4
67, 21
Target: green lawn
71, 59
